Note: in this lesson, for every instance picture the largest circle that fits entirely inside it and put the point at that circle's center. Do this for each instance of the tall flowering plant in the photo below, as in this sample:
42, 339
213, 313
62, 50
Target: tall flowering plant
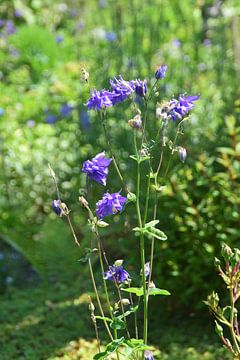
131, 296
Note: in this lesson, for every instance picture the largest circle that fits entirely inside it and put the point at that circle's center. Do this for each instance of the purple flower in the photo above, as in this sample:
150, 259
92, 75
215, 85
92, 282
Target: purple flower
176, 43
141, 87
18, 13
148, 355
97, 168
30, 123
160, 73
182, 153
66, 110
84, 119
121, 89
56, 206
110, 36
110, 204
180, 107
51, 119
59, 39
2, 22
99, 100
116, 273
10, 28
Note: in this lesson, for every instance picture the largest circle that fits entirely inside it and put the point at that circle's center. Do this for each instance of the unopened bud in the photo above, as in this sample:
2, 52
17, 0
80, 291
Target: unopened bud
102, 224
226, 252
218, 329
182, 153
125, 302
83, 201
136, 122
85, 74
91, 307
152, 285
118, 263
131, 197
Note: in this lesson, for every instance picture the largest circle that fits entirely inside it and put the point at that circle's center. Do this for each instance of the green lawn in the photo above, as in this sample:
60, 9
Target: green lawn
53, 322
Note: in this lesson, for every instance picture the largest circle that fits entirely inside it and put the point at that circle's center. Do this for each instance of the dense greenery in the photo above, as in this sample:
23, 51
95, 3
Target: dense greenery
41, 73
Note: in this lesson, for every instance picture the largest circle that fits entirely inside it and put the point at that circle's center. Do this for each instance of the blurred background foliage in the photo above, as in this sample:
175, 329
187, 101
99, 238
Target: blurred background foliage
43, 120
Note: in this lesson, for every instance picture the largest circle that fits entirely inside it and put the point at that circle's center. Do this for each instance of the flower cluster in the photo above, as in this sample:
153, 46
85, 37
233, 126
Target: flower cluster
116, 274
180, 107
97, 168
121, 89
110, 204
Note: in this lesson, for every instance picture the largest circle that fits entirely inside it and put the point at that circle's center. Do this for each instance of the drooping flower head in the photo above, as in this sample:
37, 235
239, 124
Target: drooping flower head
56, 206
146, 269
148, 355
121, 89
116, 273
110, 204
141, 87
180, 107
99, 100
182, 153
97, 168
160, 73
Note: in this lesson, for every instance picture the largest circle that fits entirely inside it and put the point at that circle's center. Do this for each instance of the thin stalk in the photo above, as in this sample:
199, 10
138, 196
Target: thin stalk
232, 320
115, 283
72, 230
135, 315
98, 299
93, 318
112, 153
142, 249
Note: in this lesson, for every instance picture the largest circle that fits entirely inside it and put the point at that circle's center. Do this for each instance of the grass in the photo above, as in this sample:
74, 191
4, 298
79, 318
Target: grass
52, 322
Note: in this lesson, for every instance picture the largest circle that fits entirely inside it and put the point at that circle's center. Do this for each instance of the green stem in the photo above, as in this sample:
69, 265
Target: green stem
142, 249
98, 299
232, 320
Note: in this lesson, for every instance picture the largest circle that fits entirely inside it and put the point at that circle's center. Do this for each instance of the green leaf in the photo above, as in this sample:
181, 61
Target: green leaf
104, 318
88, 253
129, 312
150, 230
111, 348
140, 158
152, 291
156, 291
118, 324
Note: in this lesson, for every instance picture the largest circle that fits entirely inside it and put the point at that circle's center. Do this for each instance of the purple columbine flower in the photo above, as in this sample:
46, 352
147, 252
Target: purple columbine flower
141, 87
160, 73
180, 107
99, 100
97, 168
10, 28
116, 273
59, 39
51, 119
56, 206
18, 13
110, 204
110, 36
121, 89
148, 355
66, 110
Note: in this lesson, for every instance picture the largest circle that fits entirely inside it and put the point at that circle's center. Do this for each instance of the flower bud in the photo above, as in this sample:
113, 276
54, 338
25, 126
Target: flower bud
85, 74
118, 263
125, 302
57, 207
182, 153
148, 355
218, 329
91, 307
152, 285
131, 197
226, 252
136, 122
102, 224
83, 201
160, 73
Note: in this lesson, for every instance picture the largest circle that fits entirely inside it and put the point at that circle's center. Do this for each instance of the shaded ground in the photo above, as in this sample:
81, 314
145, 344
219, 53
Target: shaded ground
53, 322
